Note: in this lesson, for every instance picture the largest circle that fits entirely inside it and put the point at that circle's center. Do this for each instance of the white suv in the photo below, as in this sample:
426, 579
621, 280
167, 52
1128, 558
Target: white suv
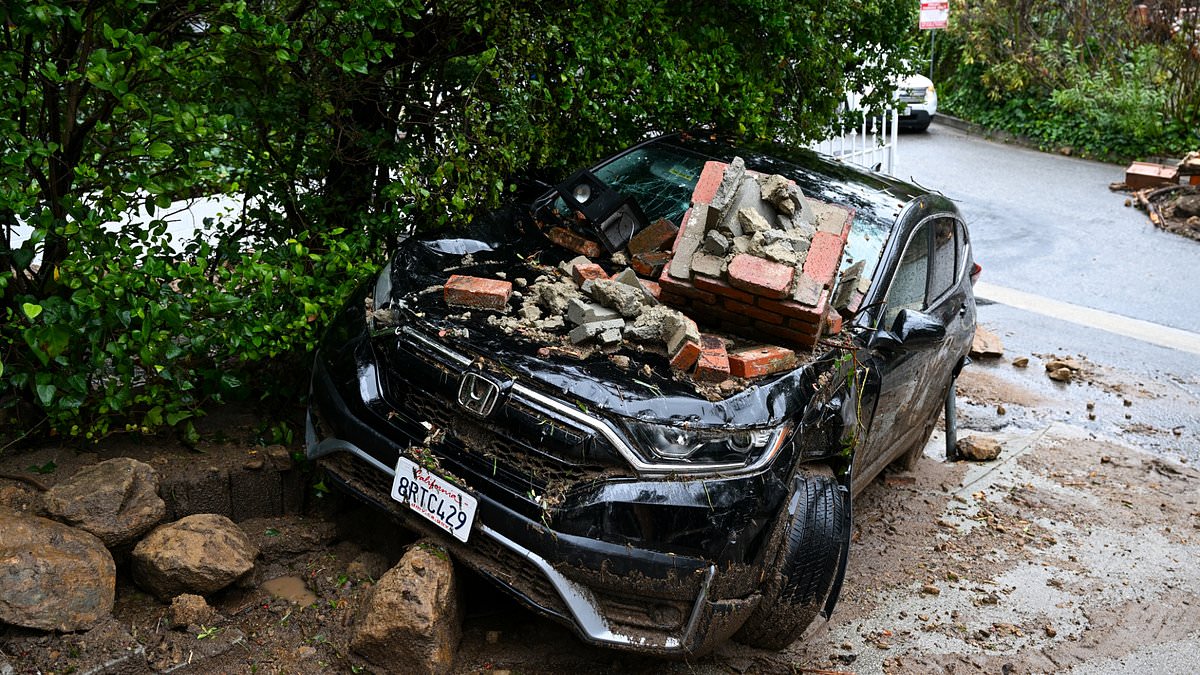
918, 100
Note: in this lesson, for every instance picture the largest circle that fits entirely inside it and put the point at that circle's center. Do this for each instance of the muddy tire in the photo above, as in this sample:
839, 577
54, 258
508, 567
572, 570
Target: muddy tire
807, 562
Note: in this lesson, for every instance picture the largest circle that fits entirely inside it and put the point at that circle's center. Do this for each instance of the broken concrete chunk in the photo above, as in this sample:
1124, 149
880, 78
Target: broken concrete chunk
807, 291
731, 183
530, 312
553, 294
627, 300
580, 312
630, 278
610, 337
678, 329
847, 285
742, 244
716, 243
650, 324
476, 292
775, 191
689, 240
587, 331
551, 323
752, 221
781, 253
708, 265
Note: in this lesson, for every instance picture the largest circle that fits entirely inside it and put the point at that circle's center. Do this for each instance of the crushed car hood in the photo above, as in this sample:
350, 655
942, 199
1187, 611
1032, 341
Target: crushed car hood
508, 246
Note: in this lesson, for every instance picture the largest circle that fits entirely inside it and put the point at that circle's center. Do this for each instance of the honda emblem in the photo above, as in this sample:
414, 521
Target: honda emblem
478, 394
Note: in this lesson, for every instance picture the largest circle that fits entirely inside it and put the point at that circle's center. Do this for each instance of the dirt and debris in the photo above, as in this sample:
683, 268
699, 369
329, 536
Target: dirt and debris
753, 272
1156, 189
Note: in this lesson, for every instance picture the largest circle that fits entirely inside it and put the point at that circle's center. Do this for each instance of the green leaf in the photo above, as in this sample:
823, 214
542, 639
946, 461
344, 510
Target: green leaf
31, 310
45, 393
160, 150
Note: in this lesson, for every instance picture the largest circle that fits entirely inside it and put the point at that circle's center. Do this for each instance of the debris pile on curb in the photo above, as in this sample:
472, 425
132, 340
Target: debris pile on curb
754, 260
1158, 191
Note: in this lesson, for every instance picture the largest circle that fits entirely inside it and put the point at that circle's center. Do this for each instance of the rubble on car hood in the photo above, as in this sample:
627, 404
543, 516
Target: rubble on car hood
677, 326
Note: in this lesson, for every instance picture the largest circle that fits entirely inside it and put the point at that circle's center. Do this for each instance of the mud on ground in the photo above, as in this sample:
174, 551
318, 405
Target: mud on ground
1074, 551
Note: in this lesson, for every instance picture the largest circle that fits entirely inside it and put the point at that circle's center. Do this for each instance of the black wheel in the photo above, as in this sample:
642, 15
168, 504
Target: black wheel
816, 524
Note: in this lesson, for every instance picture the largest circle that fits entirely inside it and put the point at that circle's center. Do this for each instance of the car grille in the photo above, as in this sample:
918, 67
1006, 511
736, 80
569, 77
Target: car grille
912, 95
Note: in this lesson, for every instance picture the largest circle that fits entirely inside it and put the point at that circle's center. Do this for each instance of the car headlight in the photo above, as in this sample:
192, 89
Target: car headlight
667, 443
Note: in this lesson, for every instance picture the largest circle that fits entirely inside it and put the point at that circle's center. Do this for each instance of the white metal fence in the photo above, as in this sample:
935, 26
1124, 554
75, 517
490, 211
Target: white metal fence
871, 144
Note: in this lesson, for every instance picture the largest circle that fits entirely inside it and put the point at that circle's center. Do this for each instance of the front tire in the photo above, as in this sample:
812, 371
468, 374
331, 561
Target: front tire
803, 573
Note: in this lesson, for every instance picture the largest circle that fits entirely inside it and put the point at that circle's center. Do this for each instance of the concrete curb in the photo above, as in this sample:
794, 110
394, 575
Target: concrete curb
984, 132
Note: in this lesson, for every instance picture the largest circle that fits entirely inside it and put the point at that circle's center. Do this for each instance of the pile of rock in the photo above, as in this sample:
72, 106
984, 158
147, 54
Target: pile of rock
63, 575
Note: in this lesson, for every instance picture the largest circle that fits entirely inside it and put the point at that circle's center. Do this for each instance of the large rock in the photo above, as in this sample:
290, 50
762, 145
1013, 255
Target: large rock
978, 449
116, 500
200, 554
413, 616
53, 577
986, 344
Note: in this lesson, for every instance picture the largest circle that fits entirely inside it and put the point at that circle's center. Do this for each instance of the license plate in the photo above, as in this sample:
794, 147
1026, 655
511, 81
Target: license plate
437, 499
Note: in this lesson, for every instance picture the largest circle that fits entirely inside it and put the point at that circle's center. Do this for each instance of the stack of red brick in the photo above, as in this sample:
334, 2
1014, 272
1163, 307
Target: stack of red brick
756, 297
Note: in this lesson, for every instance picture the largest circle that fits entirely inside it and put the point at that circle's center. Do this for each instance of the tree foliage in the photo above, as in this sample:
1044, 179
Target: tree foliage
1099, 78
339, 127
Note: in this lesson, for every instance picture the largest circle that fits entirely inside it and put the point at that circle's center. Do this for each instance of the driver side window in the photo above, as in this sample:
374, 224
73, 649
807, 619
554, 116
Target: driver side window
927, 269
912, 274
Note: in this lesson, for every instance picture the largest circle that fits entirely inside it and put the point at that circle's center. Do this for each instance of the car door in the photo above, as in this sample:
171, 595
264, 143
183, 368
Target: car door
904, 384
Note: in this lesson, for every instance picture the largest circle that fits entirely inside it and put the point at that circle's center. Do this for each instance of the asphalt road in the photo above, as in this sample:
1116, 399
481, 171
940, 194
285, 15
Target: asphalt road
1069, 269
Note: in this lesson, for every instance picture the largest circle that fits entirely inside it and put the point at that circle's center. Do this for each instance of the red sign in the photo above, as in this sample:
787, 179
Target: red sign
934, 14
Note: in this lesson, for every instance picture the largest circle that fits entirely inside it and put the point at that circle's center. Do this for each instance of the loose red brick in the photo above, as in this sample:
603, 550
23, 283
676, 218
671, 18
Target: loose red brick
760, 361
653, 287
586, 271
823, 257
653, 238
833, 323
709, 313
574, 242
673, 299
751, 311
465, 291
713, 363
793, 310
650, 264
760, 277
791, 335
685, 357
710, 180
687, 290
722, 289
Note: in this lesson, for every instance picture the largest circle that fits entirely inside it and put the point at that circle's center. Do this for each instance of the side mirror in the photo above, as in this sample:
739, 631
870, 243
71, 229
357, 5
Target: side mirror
910, 329
917, 329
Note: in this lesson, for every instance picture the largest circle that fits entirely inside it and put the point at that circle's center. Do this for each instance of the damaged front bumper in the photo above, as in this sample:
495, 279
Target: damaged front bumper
656, 564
